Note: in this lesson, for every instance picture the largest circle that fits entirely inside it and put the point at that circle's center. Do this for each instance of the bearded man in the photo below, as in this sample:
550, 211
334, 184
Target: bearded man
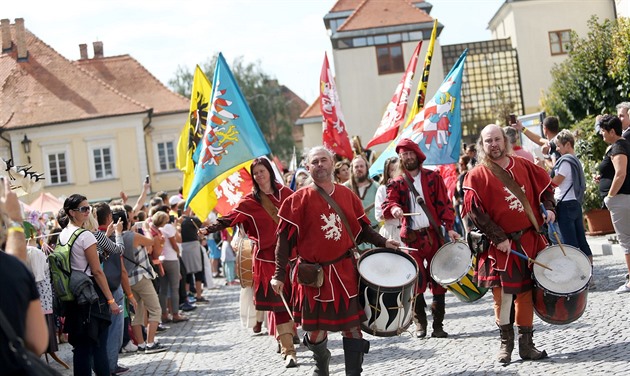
364, 187
421, 194
510, 219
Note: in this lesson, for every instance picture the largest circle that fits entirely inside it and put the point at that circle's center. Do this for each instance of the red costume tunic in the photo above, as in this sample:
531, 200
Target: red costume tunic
320, 237
261, 230
484, 192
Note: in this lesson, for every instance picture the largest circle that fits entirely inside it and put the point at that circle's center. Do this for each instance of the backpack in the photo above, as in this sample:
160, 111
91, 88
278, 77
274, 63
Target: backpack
59, 261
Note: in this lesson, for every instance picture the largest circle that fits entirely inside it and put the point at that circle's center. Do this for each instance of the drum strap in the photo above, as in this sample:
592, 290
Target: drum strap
424, 207
510, 184
336, 207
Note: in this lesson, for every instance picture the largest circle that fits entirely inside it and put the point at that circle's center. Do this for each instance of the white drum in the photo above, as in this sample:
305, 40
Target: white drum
560, 294
387, 281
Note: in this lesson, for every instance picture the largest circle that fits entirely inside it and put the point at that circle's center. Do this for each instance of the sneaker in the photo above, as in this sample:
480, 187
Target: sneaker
201, 299
156, 348
162, 328
191, 299
129, 348
187, 307
120, 370
623, 288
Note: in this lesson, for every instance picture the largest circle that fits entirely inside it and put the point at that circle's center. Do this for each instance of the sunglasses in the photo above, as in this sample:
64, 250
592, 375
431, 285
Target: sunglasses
84, 209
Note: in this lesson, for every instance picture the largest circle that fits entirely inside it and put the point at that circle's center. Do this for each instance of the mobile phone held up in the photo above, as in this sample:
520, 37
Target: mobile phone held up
512, 119
146, 179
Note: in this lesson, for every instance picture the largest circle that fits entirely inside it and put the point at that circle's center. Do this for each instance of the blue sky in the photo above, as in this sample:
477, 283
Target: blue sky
288, 37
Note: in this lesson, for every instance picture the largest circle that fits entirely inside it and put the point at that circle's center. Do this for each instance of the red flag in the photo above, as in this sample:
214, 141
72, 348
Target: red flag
395, 113
232, 189
334, 135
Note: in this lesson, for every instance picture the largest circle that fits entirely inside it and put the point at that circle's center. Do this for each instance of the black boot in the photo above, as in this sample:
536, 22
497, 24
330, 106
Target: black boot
526, 348
420, 317
321, 355
353, 350
438, 309
507, 343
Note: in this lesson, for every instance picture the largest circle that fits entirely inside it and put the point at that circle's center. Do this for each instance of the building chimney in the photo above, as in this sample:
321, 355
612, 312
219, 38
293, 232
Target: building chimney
5, 25
83, 51
98, 49
20, 39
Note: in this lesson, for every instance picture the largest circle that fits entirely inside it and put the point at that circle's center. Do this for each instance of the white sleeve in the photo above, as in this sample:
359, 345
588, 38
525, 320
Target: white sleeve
381, 194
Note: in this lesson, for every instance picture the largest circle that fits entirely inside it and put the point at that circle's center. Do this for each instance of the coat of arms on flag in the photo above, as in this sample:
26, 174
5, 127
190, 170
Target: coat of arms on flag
437, 127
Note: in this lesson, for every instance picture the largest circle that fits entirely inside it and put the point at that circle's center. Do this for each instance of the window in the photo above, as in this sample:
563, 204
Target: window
102, 158
57, 168
166, 155
560, 42
389, 59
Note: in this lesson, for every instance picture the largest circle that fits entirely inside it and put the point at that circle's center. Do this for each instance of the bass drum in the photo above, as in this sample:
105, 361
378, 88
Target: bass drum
243, 248
387, 285
453, 267
560, 294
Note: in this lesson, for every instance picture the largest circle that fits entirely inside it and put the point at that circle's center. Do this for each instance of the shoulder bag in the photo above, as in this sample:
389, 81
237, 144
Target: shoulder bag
30, 363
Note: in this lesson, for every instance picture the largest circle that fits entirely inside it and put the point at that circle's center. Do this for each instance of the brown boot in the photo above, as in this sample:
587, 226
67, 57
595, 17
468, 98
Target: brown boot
420, 317
258, 327
438, 309
526, 348
287, 349
507, 343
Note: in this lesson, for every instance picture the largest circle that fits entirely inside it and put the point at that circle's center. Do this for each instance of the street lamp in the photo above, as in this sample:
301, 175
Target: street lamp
26, 144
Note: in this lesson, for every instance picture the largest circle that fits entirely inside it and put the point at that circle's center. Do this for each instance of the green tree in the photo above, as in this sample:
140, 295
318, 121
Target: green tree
594, 77
265, 97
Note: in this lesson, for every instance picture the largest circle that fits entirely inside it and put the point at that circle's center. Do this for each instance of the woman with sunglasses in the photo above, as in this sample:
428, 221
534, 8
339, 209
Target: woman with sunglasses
86, 324
257, 212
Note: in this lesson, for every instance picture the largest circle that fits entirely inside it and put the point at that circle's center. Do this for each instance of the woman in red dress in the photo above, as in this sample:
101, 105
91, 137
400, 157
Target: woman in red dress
257, 212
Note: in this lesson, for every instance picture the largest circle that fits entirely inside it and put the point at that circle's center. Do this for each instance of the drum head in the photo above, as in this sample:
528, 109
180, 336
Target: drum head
387, 268
451, 263
570, 273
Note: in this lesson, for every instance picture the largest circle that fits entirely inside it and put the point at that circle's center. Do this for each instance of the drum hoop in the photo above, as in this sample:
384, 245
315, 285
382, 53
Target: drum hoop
386, 250
470, 264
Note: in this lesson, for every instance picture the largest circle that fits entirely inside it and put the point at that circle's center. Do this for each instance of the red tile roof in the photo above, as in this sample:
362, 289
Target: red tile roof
312, 111
131, 78
343, 5
382, 13
47, 88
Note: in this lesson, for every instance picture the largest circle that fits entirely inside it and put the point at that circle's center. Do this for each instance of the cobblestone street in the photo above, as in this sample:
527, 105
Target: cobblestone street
213, 342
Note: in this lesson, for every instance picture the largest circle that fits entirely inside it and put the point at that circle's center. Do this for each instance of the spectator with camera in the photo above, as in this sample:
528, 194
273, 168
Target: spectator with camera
141, 275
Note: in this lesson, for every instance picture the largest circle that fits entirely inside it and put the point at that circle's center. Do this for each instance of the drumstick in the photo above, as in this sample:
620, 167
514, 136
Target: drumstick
553, 229
411, 214
286, 306
527, 258
408, 248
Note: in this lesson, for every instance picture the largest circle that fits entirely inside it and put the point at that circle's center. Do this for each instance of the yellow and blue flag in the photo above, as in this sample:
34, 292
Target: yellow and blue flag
190, 138
437, 127
232, 137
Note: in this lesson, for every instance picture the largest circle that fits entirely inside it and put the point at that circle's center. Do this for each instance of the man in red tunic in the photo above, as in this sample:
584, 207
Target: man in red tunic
501, 216
257, 212
417, 231
311, 227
